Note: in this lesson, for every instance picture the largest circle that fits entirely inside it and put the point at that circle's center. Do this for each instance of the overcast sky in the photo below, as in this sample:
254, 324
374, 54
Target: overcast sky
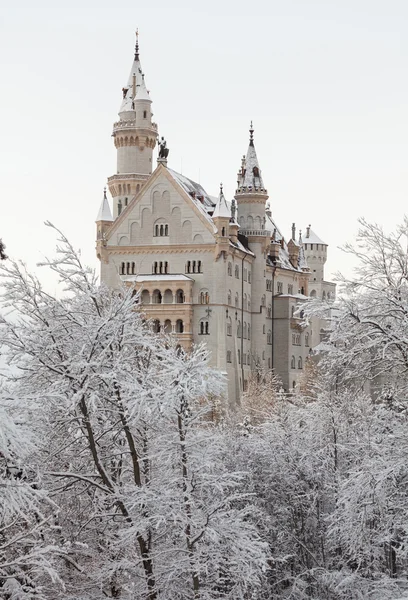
325, 83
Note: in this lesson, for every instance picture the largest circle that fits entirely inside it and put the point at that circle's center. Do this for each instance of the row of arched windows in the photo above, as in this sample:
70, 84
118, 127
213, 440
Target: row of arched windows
194, 266
161, 230
159, 298
246, 300
204, 298
204, 327
167, 326
299, 363
160, 267
127, 268
245, 330
246, 358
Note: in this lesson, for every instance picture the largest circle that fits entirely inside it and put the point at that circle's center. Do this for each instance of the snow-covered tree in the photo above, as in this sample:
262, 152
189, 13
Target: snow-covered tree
2, 250
26, 516
147, 507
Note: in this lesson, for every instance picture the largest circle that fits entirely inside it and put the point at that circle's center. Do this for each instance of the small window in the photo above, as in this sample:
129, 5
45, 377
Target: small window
229, 356
229, 300
269, 337
204, 328
239, 332
236, 272
306, 340
236, 300
300, 363
188, 266
280, 287
290, 289
293, 363
145, 114
204, 297
230, 269
249, 332
249, 276
229, 326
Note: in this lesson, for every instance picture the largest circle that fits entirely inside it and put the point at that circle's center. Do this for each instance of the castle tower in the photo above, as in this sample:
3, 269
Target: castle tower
251, 197
135, 138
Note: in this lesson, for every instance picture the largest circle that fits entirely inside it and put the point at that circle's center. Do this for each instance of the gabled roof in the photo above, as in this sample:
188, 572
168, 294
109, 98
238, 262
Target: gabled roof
104, 213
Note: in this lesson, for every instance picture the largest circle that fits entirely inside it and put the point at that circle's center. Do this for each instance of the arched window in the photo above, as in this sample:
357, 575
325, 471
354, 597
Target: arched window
239, 357
313, 294
204, 328
179, 326
293, 363
204, 297
188, 266
199, 270
166, 230
122, 268
239, 332
161, 230
157, 297
223, 232
263, 329
263, 300
128, 268
167, 326
245, 331
166, 267
156, 230
236, 272
306, 340
156, 325
236, 300
168, 297
245, 301
133, 268
300, 363
229, 356
249, 302
269, 337
145, 297
180, 297
229, 326
229, 300
249, 331
230, 269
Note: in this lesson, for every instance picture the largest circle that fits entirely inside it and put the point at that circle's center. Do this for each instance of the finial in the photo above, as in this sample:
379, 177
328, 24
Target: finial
104, 193
137, 45
220, 189
251, 135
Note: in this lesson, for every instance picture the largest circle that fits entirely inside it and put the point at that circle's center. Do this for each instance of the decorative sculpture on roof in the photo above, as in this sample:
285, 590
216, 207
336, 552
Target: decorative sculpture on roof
163, 150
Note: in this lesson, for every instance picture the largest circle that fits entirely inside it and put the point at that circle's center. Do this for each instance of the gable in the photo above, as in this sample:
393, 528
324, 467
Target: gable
161, 214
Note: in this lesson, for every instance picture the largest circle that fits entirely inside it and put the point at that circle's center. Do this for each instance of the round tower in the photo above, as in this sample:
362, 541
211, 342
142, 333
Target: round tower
134, 136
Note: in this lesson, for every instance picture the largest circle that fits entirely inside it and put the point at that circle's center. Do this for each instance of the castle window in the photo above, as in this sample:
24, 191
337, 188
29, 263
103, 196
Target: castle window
156, 326
122, 268
249, 331
280, 287
249, 276
236, 272
188, 266
223, 232
263, 300
161, 229
249, 302
229, 356
244, 359
166, 267
128, 268
194, 266
290, 289
180, 297
245, 274
179, 326
248, 359
245, 331
133, 268
230, 269
199, 270
204, 297
236, 300
239, 357
293, 310
157, 297
229, 326
145, 114
204, 327
263, 329
300, 363
293, 363
229, 300
245, 301
269, 337
306, 340
239, 330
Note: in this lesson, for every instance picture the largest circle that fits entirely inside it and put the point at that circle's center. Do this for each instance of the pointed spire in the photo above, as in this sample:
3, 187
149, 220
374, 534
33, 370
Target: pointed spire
137, 45
221, 208
104, 213
250, 176
251, 135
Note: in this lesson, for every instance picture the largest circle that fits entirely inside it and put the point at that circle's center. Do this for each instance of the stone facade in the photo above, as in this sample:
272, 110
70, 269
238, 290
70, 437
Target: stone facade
208, 270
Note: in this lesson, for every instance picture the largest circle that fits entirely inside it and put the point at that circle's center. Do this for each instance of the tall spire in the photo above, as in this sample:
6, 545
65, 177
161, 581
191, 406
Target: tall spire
221, 208
249, 177
137, 45
104, 213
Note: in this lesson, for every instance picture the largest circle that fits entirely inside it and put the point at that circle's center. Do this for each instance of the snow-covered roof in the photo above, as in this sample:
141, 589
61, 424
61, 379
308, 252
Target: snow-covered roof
158, 277
312, 238
197, 193
221, 208
141, 90
104, 213
250, 173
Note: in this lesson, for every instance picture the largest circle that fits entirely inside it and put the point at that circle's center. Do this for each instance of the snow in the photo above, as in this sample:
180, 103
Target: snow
194, 190
313, 238
251, 161
221, 209
141, 91
154, 277
104, 213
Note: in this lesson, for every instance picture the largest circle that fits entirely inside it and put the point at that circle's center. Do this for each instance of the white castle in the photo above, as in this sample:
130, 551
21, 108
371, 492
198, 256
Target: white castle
208, 269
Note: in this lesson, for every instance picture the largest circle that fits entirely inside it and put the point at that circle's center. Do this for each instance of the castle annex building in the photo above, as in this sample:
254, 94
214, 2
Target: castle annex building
208, 269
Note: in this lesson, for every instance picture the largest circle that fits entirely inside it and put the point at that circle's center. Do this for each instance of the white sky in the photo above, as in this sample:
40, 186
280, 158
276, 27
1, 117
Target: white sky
324, 81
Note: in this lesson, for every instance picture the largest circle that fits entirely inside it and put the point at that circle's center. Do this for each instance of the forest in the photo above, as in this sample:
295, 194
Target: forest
122, 474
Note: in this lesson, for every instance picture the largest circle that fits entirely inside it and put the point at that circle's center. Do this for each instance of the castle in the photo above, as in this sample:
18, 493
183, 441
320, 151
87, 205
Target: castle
208, 269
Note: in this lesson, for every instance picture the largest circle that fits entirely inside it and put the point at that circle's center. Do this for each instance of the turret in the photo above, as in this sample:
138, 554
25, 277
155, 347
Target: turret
135, 138
221, 217
104, 221
251, 193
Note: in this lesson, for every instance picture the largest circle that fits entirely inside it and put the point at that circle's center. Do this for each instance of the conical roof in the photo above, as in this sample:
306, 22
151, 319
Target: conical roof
221, 208
136, 86
250, 173
104, 213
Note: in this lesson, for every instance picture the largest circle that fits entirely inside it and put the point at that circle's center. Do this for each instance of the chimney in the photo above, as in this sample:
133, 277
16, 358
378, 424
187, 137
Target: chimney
293, 231
308, 231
